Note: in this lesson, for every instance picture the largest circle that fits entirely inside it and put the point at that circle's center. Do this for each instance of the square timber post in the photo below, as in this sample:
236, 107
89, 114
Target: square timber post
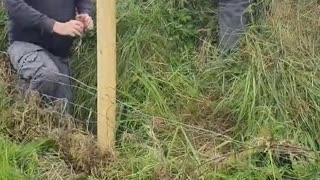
106, 74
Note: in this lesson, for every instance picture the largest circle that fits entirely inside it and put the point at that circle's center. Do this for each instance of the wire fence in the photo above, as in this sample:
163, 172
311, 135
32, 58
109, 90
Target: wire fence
91, 91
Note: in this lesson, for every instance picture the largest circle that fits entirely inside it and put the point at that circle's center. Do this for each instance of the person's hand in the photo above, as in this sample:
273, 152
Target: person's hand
86, 20
71, 28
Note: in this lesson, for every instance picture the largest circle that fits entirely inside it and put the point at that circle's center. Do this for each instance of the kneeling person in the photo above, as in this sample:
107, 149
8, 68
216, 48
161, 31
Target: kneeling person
41, 34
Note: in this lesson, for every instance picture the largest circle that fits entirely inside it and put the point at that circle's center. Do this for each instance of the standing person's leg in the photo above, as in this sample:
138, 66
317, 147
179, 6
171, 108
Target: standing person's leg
232, 22
37, 68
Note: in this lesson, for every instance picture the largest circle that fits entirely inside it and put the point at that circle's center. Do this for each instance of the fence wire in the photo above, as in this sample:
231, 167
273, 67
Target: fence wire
92, 92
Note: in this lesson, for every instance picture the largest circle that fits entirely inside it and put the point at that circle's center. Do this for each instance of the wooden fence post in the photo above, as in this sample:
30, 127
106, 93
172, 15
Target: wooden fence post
106, 75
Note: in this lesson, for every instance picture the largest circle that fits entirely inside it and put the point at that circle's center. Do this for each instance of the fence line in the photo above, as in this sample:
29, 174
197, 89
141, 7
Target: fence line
173, 122
132, 108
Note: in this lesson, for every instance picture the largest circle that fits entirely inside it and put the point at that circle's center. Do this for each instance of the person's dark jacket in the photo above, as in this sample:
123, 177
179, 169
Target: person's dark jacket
32, 21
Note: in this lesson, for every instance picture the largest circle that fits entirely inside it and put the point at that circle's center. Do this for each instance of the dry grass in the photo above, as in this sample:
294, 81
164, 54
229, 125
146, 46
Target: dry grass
30, 120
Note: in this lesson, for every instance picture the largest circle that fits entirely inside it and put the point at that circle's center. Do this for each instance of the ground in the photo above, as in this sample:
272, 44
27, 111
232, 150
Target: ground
184, 110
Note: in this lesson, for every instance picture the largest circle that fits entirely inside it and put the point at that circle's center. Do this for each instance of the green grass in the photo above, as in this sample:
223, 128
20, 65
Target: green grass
20, 161
186, 112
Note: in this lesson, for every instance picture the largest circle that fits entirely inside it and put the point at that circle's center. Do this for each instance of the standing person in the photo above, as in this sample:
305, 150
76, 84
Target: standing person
232, 22
41, 33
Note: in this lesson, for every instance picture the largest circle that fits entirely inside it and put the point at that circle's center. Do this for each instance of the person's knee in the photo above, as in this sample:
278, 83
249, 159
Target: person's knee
50, 75
45, 80
52, 82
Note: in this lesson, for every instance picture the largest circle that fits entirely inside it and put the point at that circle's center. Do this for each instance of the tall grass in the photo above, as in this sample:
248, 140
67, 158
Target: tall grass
17, 160
187, 112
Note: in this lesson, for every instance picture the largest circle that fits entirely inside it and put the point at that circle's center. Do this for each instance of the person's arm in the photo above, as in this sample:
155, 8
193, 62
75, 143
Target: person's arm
26, 16
84, 6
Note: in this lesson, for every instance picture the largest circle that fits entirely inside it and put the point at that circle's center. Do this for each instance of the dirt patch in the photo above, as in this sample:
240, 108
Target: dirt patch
204, 114
52, 167
212, 127
81, 150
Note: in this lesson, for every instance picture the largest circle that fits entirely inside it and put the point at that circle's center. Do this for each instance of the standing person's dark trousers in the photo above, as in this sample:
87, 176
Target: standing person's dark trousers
232, 22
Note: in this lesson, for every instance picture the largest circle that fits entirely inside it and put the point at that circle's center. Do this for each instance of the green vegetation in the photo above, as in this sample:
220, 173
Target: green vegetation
19, 162
184, 110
